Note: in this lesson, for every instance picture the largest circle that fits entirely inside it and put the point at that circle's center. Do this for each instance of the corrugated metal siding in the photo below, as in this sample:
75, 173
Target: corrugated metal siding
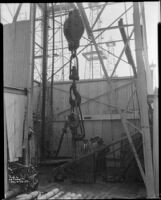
15, 111
107, 129
16, 40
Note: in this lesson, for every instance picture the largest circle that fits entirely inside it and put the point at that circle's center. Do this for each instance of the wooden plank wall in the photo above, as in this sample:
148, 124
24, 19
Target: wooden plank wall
15, 111
5, 152
156, 142
90, 90
101, 122
16, 56
16, 40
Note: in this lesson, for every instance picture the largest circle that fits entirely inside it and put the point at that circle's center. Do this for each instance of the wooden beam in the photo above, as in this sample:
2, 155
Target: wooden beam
127, 50
114, 79
20, 91
146, 58
6, 186
99, 14
32, 141
44, 70
121, 54
112, 27
53, 64
39, 45
90, 35
130, 160
156, 143
112, 54
106, 117
41, 56
17, 13
29, 114
135, 127
133, 148
141, 86
108, 42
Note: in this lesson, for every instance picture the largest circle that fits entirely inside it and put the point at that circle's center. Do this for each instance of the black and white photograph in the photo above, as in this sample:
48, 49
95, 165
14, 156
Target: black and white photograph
80, 100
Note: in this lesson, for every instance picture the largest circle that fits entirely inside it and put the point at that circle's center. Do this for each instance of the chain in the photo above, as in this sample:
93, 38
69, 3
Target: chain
75, 118
73, 31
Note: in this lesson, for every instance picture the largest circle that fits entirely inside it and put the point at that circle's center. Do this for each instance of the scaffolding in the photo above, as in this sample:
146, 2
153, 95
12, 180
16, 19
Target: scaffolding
50, 57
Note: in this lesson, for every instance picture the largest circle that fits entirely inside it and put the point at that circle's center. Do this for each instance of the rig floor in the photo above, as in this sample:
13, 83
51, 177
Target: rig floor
98, 190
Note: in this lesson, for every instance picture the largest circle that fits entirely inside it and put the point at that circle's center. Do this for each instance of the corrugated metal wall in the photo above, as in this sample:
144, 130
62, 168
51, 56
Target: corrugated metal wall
16, 42
100, 121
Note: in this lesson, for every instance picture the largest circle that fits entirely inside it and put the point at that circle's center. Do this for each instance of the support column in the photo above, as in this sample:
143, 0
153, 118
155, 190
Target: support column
31, 78
141, 85
29, 111
44, 73
53, 64
145, 47
6, 188
156, 143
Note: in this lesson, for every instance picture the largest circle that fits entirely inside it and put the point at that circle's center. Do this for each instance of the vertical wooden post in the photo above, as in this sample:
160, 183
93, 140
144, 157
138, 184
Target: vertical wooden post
145, 47
141, 85
5, 152
62, 46
32, 47
52, 72
156, 143
30, 84
29, 152
53, 59
44, 71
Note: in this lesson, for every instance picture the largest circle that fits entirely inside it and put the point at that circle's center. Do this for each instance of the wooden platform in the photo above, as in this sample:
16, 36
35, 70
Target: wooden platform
99, 190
